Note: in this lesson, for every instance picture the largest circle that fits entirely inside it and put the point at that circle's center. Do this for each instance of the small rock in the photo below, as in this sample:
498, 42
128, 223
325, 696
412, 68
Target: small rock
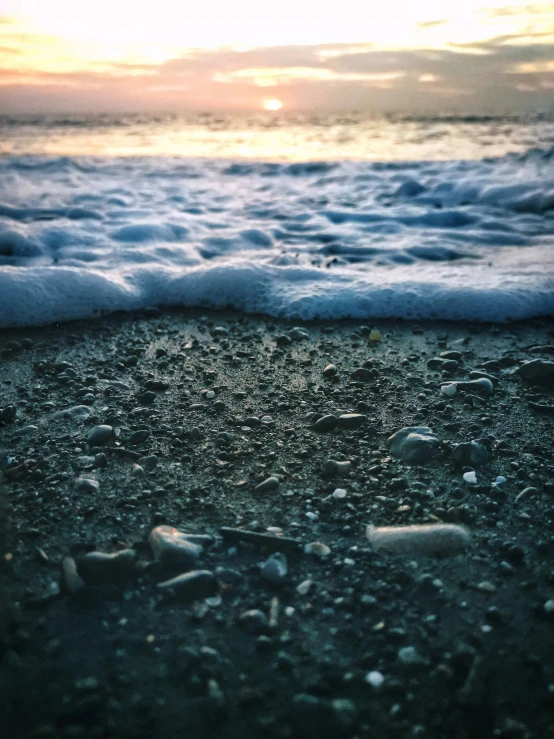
148, 463
375, 678
537, 371
330, 371
472, 453
272, 483
71, 582
352, 420
99, 435
427, 539
304, 587
362, 374
274, 569
317, 549
99, 568
333, 467
86, 485
449, 389
78, 412
254, 621
26, 431
413, 444
470, 477
194, 585
326, 423
175, 548
138, 437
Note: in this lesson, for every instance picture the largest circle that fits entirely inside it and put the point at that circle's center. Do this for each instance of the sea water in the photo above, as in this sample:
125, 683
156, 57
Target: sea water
300, 217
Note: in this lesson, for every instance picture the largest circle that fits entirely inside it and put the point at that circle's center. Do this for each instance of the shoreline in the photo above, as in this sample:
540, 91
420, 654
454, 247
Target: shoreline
128, 660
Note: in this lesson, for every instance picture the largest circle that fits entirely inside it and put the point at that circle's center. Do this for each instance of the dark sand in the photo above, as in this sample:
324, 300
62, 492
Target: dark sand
126, 660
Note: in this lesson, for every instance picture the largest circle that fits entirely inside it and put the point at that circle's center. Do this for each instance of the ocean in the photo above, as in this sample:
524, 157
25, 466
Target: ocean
304, 217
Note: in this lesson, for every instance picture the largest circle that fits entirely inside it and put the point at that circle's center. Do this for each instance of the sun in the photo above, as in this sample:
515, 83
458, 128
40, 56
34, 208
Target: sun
272, 104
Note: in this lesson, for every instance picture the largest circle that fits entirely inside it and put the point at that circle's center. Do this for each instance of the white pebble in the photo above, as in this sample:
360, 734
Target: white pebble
289, 610
374, 678
303, 588
470, 477
339, 493
449, 390
210, 395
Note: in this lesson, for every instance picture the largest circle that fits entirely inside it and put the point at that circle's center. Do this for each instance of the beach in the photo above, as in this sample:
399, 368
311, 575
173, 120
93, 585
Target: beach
268, 438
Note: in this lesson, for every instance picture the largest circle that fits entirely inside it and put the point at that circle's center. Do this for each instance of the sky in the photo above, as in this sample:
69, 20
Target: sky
299, 55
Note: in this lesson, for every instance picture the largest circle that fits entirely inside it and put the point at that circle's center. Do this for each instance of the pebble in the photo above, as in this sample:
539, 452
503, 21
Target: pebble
470, 477
253, 621
99, 568
79, 412
26, 431
549, 607
413, 444
194, 585
330, 370
472, 453
99, 435
449, 389
71, 581
375, 678
100, 460
272, 483
352, 420
137, 471
333, 467
139, 436
298, 334
339, 493
362, 374
317, 549
304, 587
86, 485
427, 539
173, 547
8, 413
326, 423
148, 463
275, 569
537, 371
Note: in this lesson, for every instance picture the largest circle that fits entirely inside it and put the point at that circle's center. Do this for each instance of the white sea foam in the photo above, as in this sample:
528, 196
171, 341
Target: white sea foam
455, 240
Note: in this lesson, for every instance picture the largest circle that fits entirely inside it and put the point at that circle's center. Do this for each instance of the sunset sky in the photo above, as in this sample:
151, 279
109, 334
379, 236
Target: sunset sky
393, 55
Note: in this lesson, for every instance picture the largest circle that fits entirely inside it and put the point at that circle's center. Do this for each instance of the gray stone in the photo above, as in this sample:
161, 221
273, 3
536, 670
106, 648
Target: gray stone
174, 548
99, 435
330, 371
481, 386
274, 569
272, 483
86, 485
148, 463
537, 371
427, 539
193, 585
352, 420
99, 568
326, 423
77, 412
71, 581
472, 453
254, 621
413, 444
139, 436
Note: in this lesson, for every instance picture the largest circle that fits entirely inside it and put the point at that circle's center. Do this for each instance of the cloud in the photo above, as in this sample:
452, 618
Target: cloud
498, 74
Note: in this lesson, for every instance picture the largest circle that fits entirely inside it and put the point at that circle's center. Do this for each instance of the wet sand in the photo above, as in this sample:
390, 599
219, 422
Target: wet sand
376, 644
